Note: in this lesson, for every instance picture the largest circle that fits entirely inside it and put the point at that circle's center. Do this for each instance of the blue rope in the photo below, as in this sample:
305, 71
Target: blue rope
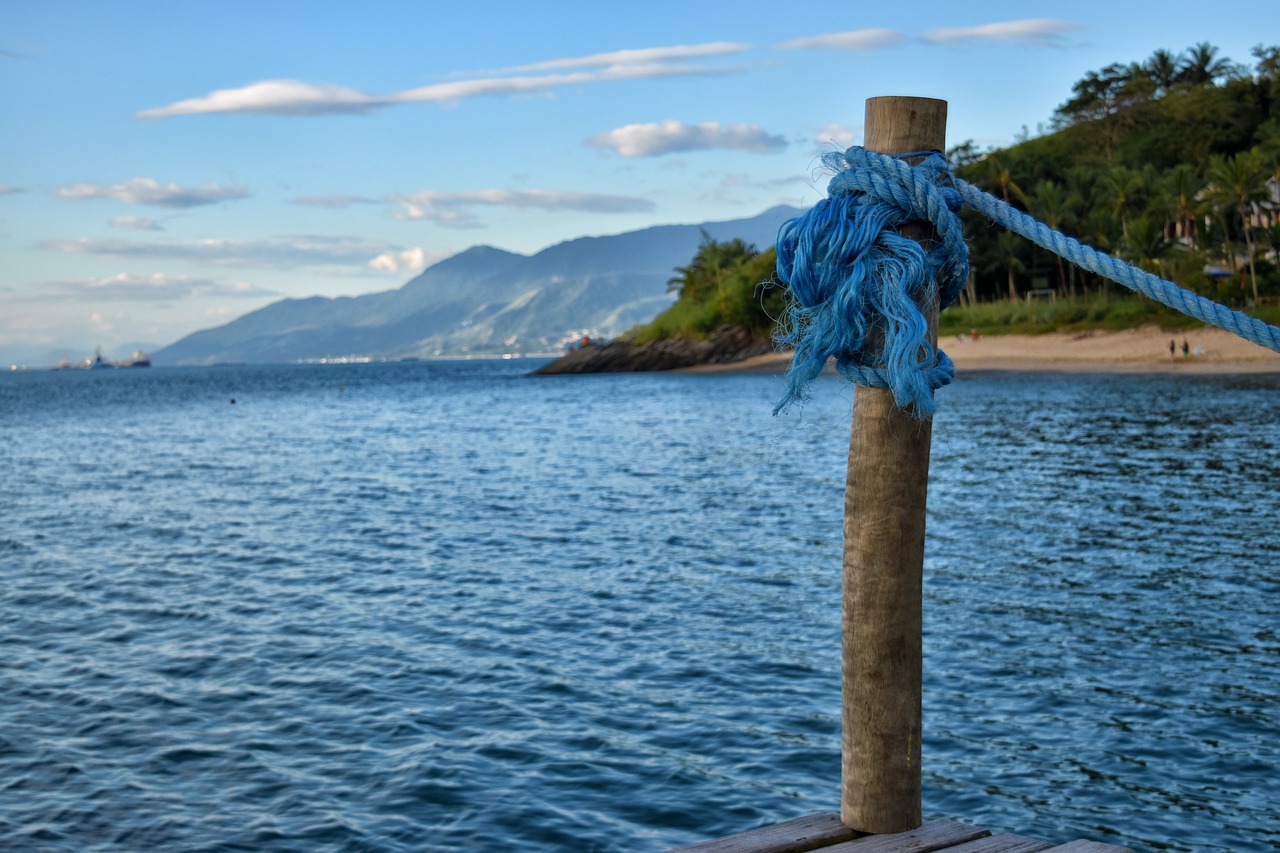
1164, 292
857, 285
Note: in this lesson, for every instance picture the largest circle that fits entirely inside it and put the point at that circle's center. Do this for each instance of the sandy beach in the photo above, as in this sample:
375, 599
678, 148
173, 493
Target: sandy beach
1144, 350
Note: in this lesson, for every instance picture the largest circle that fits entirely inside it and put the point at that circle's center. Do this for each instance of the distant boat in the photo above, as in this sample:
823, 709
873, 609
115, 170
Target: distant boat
139, 359
98, 362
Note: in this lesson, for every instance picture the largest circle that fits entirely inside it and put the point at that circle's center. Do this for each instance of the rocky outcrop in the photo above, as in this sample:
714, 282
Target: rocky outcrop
725, 345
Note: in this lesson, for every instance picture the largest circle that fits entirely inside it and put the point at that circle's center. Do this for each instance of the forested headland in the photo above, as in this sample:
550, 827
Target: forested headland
1171, 164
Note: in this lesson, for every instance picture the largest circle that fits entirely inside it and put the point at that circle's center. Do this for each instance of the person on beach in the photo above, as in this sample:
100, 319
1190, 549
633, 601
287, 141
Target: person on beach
1173, 350
1186, 350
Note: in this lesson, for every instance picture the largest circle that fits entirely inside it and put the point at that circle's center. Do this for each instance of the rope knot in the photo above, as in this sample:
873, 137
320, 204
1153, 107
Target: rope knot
858, 286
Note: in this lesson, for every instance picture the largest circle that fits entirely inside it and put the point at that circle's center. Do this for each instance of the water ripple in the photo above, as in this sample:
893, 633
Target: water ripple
449, 607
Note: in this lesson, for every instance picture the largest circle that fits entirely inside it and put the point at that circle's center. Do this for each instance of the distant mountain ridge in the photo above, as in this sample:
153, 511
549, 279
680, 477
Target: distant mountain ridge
482, 301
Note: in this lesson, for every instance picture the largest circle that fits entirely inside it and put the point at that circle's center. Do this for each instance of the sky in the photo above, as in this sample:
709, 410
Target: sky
169, 166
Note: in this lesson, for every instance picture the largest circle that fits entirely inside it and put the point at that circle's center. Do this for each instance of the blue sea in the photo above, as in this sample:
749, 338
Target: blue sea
448, 606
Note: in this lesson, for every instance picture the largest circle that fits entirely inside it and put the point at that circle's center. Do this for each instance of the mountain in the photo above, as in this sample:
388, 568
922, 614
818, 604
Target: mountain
480, 301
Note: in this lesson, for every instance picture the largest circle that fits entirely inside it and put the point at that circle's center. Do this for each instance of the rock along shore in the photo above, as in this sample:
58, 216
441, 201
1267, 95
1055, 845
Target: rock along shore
726, 345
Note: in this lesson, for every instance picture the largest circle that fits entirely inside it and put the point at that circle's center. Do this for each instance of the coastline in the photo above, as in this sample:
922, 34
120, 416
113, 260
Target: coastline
1145, 350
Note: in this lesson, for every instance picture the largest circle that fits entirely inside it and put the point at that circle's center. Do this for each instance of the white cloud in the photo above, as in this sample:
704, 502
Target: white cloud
299, 98
126, 287
333, 202
461, 89
656, 139
641, 56
280, 253
409, 260
839, 135
152, 192
279, 97
134, 223
872, 39
452, 208
1039, 31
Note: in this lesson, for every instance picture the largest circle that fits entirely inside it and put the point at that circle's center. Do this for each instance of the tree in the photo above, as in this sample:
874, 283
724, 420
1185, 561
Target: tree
1008, 249
1202, 67
708, 272
1181, 185
1122, 187
1268, 56
1001, 177
1096, 95
1163, 69
1235, 183
963, 154
1051, 204
1145, 245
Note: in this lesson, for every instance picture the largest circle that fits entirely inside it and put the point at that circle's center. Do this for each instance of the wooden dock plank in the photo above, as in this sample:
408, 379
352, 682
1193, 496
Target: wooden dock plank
826, 834
1003, 843
934, 835
794, 836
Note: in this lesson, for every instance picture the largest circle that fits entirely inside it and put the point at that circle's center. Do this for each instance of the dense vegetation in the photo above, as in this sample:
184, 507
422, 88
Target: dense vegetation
1172, 164
726, 284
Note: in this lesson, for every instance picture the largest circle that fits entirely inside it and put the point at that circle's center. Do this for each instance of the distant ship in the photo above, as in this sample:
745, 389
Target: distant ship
139, 359
98, 362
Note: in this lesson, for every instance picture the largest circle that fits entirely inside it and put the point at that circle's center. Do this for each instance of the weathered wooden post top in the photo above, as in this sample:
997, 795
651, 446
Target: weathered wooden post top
884, 554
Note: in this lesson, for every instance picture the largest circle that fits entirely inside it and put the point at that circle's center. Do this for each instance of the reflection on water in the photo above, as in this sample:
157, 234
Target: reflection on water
446, 606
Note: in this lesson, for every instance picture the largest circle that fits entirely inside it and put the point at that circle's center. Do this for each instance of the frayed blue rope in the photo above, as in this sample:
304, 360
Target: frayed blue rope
857, 285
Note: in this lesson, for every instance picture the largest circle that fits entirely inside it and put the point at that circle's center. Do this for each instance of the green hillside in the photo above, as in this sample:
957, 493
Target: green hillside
728, 283
1172, 164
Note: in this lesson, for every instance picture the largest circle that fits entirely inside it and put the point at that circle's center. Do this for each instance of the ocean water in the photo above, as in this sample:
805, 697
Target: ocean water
448, 606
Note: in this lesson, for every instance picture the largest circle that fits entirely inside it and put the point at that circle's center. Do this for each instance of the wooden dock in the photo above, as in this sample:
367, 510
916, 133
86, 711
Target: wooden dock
825, 833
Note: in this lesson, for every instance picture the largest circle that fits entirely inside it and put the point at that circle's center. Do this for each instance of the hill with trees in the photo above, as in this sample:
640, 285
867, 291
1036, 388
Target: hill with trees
727, 302
1171, 164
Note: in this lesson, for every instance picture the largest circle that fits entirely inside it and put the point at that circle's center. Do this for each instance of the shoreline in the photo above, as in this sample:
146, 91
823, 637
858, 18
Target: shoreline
1144, 350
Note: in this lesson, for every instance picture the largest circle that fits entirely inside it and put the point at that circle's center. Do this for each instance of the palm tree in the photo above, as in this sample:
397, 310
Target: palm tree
710, 265
1122, 187
1051, 204
1202, 66
1181, 185
1163, 68
1008, 245
998, 169
1145, 245
1235, 183
1079, 183
1268, 57
1098, 227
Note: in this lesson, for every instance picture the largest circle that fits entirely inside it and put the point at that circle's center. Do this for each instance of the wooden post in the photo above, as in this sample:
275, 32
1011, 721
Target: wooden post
884, 556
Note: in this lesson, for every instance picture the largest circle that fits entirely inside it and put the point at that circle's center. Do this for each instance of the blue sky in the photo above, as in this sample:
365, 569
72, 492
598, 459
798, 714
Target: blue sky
169, 166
